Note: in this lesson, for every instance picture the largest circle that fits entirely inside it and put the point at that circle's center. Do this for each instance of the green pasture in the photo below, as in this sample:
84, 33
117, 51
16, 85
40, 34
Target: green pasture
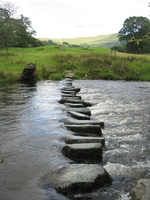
86, 63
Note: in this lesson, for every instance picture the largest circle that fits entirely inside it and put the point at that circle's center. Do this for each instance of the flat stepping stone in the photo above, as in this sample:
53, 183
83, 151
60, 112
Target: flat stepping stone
79, 110
71, 96
69, 79
67, 88
85, 129
66, 83
84, 152
76, 98
79, 139
68, 92
82, 122
72, 105
72, 89
74, 101
79, 178
79, 115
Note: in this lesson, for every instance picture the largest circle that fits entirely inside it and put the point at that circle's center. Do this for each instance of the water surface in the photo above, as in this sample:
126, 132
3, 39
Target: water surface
32, 135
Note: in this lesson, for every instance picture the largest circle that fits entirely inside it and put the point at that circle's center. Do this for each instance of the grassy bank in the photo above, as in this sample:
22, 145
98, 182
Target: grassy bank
86, 63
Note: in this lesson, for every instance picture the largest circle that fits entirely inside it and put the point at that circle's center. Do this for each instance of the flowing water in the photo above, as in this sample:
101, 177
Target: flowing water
32, 135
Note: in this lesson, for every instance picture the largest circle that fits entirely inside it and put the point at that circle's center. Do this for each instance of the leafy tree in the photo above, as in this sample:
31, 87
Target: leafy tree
7, 25
24, 32
134, 33
14, 31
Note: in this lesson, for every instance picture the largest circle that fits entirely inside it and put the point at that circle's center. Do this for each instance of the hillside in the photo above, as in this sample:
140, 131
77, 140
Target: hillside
98, 41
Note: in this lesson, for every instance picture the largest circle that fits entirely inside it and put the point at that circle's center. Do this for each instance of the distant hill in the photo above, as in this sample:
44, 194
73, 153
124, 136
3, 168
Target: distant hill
97, 41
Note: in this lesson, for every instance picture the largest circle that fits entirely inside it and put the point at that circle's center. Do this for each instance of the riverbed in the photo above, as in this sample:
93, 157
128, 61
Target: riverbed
32, 136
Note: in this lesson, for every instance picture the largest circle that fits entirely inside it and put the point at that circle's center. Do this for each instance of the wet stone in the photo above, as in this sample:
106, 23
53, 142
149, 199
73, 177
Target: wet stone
79, 139
84, 152
71, 89
141, 190
86, 129
74, 105
75, 101
82, 122
79, 115
69, 96
79, 110
67, 87
79, 178
68, 92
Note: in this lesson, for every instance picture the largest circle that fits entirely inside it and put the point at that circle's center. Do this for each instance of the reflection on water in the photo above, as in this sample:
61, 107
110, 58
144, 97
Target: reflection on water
32, 136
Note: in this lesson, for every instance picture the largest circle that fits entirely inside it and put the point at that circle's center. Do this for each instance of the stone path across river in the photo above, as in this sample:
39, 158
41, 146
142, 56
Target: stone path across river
84, 148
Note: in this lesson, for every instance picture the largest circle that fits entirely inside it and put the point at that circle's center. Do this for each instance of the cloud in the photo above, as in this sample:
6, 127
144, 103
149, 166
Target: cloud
73, 18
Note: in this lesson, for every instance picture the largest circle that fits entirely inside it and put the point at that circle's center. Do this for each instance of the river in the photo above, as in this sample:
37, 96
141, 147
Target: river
32, 135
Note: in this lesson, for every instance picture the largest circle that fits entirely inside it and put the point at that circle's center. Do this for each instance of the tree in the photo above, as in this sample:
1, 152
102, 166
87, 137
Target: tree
134, 33
7, 25
24, 32
14, 31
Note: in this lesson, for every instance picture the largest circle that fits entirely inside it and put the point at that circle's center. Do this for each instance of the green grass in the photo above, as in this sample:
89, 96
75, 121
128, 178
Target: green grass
86, 63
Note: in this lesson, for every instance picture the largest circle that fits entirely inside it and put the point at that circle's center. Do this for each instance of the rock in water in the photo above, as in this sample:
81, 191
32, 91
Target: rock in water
84, 152
141, 191
29, 74
79, 178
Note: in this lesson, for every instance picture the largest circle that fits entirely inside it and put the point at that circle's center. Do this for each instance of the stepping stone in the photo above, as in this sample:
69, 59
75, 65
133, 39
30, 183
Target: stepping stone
78, 98
82, 122
66, 83
74, 101
84, 152
67, 88
79, 115
70, 95
69, 79
79, 110
79, 105
79, 178
76, 139
72, 89
85, 129
68, 92
70, 76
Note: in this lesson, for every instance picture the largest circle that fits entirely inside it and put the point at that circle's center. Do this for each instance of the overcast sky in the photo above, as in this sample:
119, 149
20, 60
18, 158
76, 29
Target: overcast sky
75, 18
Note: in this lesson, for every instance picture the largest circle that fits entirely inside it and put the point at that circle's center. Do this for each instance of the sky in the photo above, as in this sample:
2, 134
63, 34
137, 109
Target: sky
79, 18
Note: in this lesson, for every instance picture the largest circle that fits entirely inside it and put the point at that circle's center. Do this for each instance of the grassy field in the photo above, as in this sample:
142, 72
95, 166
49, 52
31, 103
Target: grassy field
86, 63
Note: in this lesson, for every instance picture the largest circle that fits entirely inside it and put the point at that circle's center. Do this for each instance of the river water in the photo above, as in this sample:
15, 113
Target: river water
32, 135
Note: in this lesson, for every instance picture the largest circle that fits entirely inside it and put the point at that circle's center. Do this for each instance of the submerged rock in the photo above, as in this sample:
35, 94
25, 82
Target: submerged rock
79, 178
141, 191
84, 152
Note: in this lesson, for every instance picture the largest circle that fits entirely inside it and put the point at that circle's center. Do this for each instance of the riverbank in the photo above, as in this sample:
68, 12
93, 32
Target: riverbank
86, 63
